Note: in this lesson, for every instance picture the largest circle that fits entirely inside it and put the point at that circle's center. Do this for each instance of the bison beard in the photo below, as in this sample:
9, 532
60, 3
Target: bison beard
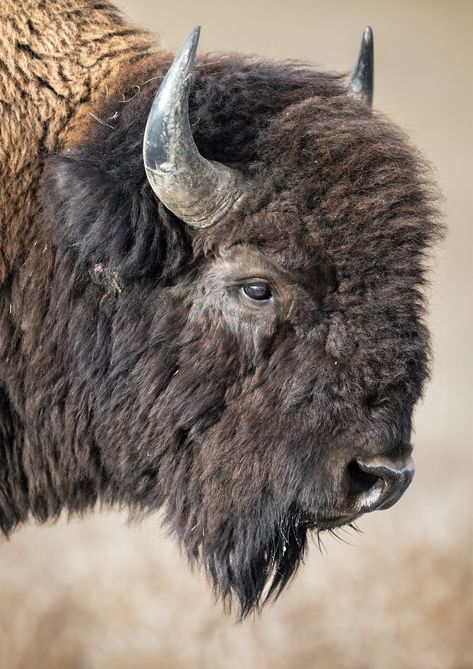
133, 373
258, 553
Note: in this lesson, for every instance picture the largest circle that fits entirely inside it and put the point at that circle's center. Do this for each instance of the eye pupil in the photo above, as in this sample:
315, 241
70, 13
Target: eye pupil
257, 291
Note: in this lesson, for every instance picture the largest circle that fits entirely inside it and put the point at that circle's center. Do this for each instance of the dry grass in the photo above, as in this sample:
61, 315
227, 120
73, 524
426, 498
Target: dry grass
98, 594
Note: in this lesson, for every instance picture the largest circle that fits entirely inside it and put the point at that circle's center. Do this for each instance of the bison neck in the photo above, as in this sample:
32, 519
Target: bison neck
56, 60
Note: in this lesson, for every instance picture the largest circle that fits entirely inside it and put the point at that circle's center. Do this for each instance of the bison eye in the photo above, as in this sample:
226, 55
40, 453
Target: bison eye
258, 291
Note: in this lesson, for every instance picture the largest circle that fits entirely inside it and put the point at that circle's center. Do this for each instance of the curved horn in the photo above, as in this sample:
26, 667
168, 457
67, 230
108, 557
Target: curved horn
362, 78
197, 190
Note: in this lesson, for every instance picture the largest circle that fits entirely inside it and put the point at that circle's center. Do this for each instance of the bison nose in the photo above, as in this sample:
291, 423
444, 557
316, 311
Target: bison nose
379, 482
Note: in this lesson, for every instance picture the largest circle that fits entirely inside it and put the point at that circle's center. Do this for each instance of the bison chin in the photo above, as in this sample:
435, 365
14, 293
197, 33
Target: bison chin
249, 558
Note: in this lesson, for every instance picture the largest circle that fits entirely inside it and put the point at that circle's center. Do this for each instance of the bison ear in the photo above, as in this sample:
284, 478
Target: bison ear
103, 220
362, 78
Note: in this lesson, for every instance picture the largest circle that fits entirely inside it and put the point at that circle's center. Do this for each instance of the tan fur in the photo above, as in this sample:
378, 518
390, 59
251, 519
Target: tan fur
57, 59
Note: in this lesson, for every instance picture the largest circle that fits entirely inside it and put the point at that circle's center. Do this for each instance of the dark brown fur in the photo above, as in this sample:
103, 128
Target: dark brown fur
131, 374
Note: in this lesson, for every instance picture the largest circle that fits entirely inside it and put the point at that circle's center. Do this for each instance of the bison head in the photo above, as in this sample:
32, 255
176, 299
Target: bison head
233, 333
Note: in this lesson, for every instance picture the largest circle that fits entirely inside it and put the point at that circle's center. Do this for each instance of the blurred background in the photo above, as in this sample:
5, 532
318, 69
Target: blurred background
102, 594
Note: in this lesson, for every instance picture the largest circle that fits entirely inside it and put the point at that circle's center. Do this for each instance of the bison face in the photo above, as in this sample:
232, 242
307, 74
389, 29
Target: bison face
286, 418
241, 346
346, 462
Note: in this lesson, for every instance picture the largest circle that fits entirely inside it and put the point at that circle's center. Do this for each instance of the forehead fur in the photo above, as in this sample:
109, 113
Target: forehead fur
331, 172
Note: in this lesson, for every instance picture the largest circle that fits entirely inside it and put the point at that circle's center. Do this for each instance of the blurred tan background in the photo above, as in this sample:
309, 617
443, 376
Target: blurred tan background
99, 594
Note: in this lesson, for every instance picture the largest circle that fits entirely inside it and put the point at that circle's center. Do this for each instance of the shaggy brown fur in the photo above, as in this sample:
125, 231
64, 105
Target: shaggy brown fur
132, 370
56, 60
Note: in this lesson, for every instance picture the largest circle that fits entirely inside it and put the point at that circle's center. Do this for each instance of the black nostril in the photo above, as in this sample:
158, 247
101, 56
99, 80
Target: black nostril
378, 482
360, 480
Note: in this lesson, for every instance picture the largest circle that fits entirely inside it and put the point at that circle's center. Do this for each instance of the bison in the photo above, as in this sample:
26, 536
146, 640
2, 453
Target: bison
211, 298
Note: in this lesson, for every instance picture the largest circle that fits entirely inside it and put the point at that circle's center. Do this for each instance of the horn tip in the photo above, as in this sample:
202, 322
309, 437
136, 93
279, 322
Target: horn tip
192, 40
367, 45
368, 35
195, 35
361, 81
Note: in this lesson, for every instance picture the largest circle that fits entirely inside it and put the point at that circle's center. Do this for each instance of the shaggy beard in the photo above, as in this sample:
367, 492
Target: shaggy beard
253, 560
